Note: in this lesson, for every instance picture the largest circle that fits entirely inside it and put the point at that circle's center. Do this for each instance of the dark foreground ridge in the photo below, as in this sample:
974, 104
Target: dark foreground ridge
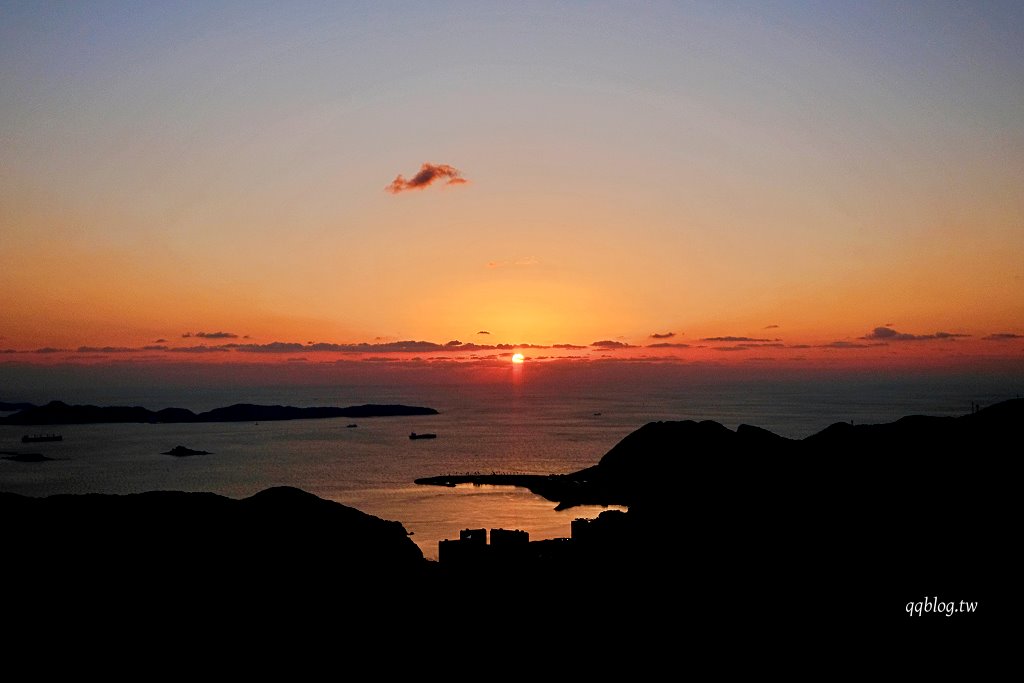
842, 529
57, 412
166, 553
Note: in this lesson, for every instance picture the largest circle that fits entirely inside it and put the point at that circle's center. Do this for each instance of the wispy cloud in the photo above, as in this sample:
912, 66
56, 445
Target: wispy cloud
427, 175
522, 262
846, 345
662, 335
199, 349
889, 334
668, 345
771, 327
483, 332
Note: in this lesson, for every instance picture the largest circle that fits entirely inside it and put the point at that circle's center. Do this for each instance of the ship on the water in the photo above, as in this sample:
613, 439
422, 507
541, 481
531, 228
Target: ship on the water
38, 438
414, 436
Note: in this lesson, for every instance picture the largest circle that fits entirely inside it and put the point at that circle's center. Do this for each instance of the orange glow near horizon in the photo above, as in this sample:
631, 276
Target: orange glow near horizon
688, 202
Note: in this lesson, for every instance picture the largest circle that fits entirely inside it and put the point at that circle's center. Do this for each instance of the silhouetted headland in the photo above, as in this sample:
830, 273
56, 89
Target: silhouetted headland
844, 527
57, 412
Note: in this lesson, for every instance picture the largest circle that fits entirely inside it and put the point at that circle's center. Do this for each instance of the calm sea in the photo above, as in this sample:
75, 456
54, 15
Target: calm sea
491, 428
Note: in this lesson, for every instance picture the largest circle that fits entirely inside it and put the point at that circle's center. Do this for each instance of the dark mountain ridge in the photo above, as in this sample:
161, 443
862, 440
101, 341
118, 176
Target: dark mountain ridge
57, 412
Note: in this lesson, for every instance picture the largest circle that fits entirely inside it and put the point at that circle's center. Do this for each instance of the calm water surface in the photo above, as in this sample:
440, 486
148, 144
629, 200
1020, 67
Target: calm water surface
480, 429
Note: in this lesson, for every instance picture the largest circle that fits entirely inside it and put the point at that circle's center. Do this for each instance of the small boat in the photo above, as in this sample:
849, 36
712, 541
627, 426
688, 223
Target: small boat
37, 438
415, 436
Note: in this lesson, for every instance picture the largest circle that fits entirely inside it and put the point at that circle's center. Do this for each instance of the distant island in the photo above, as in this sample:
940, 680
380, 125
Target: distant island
24, 457
58, 412
184, 451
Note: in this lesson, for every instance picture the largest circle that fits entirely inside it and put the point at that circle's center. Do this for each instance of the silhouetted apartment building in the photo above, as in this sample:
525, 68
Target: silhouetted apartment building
471, 547
509, 538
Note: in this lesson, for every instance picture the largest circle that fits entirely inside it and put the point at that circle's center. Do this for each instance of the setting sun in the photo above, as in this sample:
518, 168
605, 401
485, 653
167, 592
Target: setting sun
518, 358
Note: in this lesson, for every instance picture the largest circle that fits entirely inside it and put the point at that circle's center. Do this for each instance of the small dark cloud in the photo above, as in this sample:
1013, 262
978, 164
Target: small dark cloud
730, 348
889, 334
845, 345
49, 349
609, 344
106, 349
483, 332
159, 341
737, 339
8, 351
199, 349
771, 327
1003, 336
662, 335
569, 347
454, 342
425, 177
154, 347
216, 335
668, 345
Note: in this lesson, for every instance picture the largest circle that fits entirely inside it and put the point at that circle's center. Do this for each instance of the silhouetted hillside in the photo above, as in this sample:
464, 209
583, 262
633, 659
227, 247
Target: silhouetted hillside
57, 412
843, 528
176, 552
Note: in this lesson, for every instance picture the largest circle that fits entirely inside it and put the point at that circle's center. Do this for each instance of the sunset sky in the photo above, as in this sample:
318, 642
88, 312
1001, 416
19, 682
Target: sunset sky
260, 182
